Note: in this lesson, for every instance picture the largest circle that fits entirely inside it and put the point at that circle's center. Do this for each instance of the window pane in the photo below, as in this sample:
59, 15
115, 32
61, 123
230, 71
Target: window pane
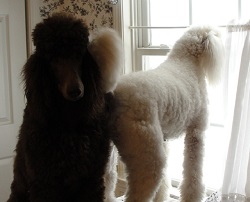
165, 36
216, 12
221, 14
163, 13
175, 159
245, 9
151, 62
216, 144
169, 12
161, 37
216, 104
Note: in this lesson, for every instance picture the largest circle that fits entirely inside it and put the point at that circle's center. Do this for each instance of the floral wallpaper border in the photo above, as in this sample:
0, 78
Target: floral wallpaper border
96, 13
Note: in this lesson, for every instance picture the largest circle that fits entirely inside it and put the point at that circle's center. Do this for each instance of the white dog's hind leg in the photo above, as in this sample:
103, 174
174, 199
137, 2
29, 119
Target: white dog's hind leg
192, 189
144, 180
144, 157
163, 192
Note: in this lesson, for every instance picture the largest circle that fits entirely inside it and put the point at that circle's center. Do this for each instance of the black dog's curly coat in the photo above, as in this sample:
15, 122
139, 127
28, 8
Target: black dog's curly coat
62, 148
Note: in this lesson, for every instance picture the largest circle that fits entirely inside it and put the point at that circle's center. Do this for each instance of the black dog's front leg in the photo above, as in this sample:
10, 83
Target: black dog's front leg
19, 193
19, 186
42, 191
77, 191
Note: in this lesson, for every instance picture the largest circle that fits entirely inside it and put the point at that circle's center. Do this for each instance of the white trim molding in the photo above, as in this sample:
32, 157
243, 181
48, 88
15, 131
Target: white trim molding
122, 22
6, 114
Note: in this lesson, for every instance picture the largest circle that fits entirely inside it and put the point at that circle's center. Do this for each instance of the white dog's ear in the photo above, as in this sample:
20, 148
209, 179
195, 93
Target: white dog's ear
106, 49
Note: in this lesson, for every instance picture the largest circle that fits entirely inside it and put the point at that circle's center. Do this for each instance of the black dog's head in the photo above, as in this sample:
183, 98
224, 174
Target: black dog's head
66, 66
61, 36
62, 41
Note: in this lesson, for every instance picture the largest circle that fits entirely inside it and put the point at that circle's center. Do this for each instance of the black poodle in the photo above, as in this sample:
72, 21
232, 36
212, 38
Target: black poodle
63, 147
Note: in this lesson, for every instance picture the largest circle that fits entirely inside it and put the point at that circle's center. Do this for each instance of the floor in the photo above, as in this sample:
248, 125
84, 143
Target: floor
122, 199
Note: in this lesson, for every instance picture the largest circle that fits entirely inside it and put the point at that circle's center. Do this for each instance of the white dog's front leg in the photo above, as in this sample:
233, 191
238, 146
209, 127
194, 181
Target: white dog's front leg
192, 189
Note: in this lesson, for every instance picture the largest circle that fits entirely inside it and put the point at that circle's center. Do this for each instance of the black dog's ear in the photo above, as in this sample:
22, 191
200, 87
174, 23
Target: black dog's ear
106, 49
37, 79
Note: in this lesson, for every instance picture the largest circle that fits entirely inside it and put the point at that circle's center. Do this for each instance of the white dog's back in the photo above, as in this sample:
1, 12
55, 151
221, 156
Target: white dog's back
176, 89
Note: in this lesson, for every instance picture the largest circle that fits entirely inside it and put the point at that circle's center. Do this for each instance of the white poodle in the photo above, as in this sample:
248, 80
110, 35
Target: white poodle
163, 104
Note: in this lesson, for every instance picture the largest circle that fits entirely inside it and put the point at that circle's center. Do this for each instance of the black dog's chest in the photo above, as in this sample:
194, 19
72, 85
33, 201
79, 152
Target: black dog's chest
66, 153
74, 147
70, 154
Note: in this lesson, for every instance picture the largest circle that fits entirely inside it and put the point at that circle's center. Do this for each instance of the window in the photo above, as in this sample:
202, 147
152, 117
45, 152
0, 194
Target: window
152, 28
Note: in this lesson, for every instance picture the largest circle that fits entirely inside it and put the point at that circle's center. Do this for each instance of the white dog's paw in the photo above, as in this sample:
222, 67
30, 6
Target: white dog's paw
113, 199
121, 198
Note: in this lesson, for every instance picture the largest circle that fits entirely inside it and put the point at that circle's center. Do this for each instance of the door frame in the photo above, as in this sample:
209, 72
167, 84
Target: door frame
32, 18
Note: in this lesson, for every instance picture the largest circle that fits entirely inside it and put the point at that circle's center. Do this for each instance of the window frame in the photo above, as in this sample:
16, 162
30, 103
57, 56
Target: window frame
140, 29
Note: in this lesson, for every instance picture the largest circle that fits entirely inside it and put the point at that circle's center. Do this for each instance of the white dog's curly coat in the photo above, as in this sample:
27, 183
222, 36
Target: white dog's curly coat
163, 104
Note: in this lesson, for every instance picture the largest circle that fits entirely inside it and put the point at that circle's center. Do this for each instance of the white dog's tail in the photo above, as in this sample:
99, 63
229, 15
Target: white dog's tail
206, 45
106, 48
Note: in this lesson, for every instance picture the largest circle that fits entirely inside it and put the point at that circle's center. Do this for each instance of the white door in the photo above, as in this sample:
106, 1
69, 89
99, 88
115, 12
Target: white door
13, 55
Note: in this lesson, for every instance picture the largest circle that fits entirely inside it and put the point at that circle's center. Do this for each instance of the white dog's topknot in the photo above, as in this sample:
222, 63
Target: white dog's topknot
106, 48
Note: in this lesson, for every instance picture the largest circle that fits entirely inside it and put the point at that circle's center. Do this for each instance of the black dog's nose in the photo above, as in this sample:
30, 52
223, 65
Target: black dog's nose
75, 93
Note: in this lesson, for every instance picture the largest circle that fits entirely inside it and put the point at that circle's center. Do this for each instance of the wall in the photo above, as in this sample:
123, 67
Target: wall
96, 13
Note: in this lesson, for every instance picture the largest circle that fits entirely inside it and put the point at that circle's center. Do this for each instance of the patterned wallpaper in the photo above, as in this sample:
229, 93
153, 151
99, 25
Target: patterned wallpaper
96, 13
